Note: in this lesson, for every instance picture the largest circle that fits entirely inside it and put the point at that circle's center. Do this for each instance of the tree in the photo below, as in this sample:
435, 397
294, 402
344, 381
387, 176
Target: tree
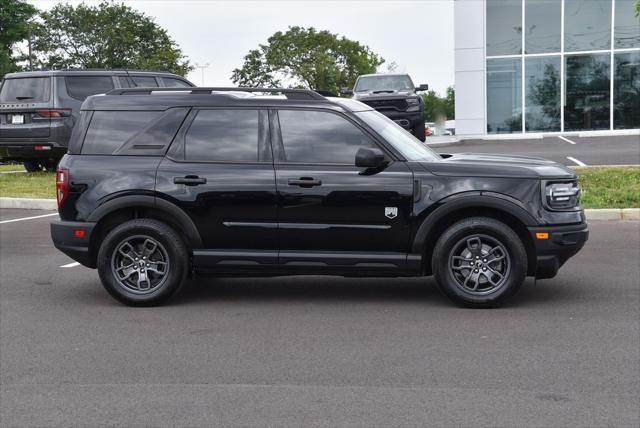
14, 27
437, 107
108, 35
307, 58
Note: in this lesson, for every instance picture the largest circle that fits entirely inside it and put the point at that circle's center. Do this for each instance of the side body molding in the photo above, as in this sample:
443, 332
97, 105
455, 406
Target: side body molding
474, 200
160, 205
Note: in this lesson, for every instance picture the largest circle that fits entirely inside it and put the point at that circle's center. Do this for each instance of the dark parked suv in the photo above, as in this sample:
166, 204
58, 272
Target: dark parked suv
39, 109
161, 185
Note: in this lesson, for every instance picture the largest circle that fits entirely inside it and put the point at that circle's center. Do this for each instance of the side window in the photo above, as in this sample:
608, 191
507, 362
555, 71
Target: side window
171, 82
224, 136
80, 87
144, 81
320, 137
109, 130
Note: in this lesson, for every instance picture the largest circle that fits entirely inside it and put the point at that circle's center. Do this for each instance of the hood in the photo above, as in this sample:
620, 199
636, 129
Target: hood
483, 165
386, 93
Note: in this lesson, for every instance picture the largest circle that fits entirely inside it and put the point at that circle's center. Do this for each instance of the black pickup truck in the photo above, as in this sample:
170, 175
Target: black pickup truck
393, 95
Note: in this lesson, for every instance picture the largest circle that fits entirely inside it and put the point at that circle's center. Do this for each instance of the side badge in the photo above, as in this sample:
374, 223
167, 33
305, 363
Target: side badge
391, 212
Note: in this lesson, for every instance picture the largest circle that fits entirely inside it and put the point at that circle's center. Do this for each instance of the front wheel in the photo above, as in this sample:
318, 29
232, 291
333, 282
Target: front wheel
479, 262
142, 262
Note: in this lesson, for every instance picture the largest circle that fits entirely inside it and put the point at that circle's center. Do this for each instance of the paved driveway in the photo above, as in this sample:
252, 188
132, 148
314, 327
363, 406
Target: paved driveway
314, 351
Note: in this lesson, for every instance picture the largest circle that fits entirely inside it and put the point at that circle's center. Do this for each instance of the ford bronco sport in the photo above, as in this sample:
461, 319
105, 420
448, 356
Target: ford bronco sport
38, 109
393, 95
159, 185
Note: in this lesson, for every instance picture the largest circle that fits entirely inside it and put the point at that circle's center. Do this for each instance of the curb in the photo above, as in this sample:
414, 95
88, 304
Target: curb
631, 214
29, 204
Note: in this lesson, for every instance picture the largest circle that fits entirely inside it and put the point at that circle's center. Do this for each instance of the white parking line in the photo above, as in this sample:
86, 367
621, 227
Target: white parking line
566, 139
27, 218
74, 264
12, 172
576, 161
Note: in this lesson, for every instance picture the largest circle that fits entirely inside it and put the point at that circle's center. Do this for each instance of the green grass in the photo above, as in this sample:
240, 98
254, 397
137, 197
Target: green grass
12, 167
610, 187
34, 185
601, 187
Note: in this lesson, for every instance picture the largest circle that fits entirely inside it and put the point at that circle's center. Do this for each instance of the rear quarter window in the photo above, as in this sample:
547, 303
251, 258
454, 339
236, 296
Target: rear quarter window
109, 130
26, 90
171, 82
80, 87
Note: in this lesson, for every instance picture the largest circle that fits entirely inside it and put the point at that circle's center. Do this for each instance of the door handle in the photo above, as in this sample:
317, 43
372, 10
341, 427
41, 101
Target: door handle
189, 180
305, 182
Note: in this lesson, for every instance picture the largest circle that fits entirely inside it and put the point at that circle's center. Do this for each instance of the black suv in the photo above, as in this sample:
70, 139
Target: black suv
393, 95
39, 109
160, 185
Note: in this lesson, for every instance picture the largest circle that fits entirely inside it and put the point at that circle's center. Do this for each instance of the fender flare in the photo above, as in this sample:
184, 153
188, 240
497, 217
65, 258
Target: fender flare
147, 201
476, 200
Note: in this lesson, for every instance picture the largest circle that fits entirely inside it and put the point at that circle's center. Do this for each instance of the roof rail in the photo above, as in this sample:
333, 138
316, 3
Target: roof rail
293, 94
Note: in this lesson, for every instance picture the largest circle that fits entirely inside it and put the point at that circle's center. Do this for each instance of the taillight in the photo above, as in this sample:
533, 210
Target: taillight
62, 185
53, 113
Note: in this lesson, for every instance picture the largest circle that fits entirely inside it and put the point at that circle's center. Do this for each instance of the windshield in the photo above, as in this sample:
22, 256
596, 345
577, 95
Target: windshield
408, 146
381, 83
27, 90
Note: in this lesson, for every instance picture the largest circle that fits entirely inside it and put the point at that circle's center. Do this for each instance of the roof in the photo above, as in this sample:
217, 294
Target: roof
87, 72
165, 98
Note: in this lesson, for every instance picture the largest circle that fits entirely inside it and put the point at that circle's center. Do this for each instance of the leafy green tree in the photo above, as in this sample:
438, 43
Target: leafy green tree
437, 107
307, 58
109, 35
14, 27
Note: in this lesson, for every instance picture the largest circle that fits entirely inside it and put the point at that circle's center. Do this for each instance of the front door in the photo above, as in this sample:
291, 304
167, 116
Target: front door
332, 214
220, 172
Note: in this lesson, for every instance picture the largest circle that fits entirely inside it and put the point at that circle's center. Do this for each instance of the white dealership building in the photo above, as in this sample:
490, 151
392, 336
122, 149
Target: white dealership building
532, 67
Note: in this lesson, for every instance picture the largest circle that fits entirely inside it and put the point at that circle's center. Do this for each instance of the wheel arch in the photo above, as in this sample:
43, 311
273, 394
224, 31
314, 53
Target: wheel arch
500, 207
130, 207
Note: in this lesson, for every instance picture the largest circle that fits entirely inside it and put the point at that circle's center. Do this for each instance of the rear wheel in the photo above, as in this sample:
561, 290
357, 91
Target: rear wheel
32, 166
142, 262
51, 165
479, 262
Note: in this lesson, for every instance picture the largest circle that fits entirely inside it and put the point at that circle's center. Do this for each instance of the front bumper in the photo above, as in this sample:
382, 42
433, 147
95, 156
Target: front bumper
73, 239
562, 243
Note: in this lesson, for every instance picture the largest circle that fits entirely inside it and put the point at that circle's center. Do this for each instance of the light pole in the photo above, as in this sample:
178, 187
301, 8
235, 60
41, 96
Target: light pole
202, 67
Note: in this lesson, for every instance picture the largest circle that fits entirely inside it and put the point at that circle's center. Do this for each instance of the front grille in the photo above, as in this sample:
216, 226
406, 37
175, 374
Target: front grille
398, 104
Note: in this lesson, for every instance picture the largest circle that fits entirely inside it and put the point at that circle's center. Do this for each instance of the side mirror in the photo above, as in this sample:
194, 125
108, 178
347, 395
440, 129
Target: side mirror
346, 91
423, 87
370, 158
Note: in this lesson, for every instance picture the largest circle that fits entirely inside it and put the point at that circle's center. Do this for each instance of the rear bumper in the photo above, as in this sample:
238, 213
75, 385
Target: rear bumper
67, 239
563, 243
32, 150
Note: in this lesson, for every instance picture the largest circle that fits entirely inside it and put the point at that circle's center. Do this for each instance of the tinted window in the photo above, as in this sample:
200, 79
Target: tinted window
626, 91
144, 81
109, 130
223, 135
542, 31
175, 83
587, 25
320, 137
504, 27
627, 26
542, 93
504, 95
80, 87
587, 92
27, 90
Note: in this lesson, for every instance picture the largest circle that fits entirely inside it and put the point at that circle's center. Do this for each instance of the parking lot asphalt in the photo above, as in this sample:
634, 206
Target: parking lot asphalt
616, 150
316, 351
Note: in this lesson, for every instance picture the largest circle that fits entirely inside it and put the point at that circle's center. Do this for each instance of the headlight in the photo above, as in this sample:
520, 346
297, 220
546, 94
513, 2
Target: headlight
413, 104
562, 196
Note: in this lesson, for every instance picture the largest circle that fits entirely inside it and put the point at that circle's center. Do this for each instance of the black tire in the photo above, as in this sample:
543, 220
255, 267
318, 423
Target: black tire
141, 234
51, 165
418, 132
31, 166
467, 254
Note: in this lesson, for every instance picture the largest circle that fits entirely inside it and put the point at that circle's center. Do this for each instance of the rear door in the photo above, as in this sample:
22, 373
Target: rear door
220, 172
20, 101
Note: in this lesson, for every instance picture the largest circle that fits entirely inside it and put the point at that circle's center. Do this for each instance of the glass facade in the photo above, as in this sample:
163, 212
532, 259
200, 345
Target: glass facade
562, 65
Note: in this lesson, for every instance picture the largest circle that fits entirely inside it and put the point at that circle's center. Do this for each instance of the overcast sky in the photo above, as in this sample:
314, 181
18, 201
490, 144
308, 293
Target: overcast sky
417, 35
